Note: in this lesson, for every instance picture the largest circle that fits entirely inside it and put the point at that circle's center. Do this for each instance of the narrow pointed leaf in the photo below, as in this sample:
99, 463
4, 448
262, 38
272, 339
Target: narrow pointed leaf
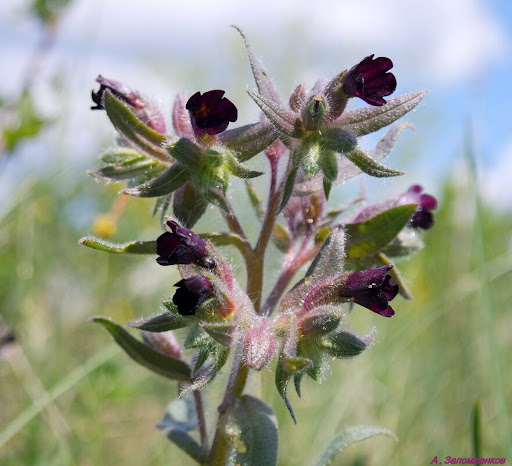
140, 136
132, 247
226, 239
222, 333
128, 170
343, 345
369, 165
237, 169
367, 238
251, 426
170, 180
347, 437
284, 120
330, 259
188, 444
121, 155
282, 378
249, 140
263, 82
288, 188
387, 143
255, 200
370, 119
297, 381
166, 366
161, 322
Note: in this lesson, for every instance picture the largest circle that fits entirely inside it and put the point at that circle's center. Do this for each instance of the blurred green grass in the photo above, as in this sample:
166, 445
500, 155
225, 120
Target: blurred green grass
421, 378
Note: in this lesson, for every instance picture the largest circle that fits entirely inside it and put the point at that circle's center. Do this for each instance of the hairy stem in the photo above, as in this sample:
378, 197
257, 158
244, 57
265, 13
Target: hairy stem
304, 255
201, 420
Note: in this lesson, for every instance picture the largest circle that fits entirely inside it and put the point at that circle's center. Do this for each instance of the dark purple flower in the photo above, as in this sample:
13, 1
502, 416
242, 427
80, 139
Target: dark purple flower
191, 293
211, 113
371, 289
181, 246
370, 81
148, 113
423, 217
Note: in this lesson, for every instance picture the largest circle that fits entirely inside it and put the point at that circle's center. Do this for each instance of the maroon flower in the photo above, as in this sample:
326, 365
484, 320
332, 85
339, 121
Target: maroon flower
371, 289
210, 113
370, 81
423, 217
191, 293
182, 246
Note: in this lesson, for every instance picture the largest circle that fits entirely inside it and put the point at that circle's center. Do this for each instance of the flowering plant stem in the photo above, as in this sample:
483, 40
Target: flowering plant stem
254, 262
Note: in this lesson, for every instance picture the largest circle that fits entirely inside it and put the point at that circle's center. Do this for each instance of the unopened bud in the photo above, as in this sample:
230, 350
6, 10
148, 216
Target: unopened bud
259, 345
163, 342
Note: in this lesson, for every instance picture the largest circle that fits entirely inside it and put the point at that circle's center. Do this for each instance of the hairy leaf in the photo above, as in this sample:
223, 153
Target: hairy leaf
139, 135
251, 428
166, 366
367, 238
132, 247
347, 437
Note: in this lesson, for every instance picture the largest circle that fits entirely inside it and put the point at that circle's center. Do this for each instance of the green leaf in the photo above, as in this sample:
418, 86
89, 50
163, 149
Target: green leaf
179, 419
255, 200
343, 345
347, 437
263, 82
249, 140
121, 155
370, 119
170, 180
367, 238
330, 259
161, 322
27, 124
166, 366
226, 239
370, 166
251, 427
139, 135
188, 205
162, 204
128, 170
188, 444
282, 378
237, 169
284, 120
132, 247
288, 187
281, 237
221, 332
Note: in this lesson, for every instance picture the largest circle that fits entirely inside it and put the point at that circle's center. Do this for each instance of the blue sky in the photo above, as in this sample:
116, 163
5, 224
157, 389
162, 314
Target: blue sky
459, 50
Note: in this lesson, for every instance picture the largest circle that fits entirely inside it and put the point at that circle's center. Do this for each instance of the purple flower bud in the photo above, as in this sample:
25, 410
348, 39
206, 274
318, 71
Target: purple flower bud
423, 217
191, 293
182, 246
371, 289
211, 113
149, 114
370, 81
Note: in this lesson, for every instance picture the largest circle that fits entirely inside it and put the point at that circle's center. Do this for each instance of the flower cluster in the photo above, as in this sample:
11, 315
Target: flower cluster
311, 143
